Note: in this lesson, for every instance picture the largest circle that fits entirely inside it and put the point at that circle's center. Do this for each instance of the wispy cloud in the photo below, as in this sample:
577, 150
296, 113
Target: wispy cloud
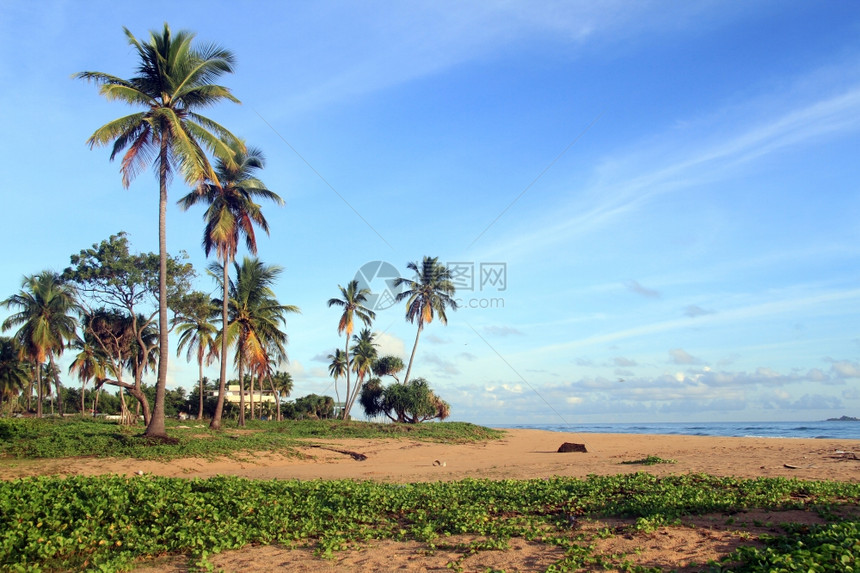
634, 286
623, 185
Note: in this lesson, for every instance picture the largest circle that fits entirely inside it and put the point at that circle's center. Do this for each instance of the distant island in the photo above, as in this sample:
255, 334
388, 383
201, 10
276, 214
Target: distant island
843, 419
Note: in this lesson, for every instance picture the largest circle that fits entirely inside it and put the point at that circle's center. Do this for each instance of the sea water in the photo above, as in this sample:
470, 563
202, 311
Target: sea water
849, 430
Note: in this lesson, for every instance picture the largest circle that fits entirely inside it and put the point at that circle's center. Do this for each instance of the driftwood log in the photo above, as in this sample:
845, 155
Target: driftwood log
571, 447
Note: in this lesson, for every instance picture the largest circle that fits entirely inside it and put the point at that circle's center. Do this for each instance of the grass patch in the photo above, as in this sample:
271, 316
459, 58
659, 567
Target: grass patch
650, 461
75, 437
110, 522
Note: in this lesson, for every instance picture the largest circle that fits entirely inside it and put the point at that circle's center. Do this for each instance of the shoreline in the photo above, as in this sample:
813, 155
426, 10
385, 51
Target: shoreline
520, 454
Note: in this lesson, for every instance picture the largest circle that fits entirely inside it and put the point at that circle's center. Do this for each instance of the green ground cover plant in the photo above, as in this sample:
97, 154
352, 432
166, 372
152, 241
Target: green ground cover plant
73, 437
111, 522
650, 461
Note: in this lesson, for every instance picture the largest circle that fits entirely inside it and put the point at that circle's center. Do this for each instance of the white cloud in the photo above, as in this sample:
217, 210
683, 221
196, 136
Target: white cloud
389, 344
846, 369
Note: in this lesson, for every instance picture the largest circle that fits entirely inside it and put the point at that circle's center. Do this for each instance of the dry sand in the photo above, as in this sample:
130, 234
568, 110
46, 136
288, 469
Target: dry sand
521, 454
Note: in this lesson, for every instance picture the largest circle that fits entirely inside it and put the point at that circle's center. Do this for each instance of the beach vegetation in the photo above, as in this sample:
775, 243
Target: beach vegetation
174, 80
107, 523
411, 402
650, 461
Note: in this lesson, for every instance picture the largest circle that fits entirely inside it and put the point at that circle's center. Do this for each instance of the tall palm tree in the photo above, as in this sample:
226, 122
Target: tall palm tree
174, 79
45, 305
231, 214
427, 296
363, 358
14, 373
199, 334
255, 317
337, 367
352, 304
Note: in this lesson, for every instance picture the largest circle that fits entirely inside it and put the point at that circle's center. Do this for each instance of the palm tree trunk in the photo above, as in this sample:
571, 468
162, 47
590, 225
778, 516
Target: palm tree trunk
38, 390
156, 424
56, 383
277, 396
346, 357
241, 391
414, 348
251, 395
200, 409
219, 407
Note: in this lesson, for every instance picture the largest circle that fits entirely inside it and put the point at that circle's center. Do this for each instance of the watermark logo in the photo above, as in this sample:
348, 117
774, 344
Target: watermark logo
380, 278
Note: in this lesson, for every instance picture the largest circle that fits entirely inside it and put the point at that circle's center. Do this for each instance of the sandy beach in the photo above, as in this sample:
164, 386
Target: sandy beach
521, 454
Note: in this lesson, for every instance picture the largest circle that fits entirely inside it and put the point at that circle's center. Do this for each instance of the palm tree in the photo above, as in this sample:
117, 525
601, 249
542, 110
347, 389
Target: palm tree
231, 214
89, 364
197, 332
427, 296
174, 79
352, 304
337, 368
255, 317
14, 373
45, 321
282, 386
363, 358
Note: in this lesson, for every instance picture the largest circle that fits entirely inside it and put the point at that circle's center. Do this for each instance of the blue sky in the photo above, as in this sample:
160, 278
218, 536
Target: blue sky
672, 190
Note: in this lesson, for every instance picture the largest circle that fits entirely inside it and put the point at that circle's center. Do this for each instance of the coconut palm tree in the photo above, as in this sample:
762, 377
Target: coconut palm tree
14, 373
352, 304
363, 358
174, 79
231, 214
337, 367
89, 364
198, 334
427, 296
255, 316
45, 305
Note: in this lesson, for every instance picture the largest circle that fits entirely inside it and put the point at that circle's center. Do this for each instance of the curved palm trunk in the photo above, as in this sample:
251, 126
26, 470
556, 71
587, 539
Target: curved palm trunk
155, 428
251, 396
414, 348
219, 407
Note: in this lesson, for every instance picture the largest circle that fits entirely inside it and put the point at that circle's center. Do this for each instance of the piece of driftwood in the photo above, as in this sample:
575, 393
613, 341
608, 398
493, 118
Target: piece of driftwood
571, 447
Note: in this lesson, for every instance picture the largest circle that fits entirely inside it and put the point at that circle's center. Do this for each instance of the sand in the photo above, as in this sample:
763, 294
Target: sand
521, 454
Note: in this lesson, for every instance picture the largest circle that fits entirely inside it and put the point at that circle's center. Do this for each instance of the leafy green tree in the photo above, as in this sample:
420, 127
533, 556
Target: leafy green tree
196, 331
312, 406
255, 316
352, 304
45, 305
174, 79
121, 291
427, 296
14, 372
410, 402
388, 366
231, 214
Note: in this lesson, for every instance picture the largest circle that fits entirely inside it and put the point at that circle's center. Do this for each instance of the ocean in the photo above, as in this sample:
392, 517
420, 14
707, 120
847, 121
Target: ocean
848, 430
